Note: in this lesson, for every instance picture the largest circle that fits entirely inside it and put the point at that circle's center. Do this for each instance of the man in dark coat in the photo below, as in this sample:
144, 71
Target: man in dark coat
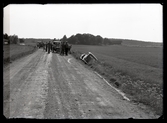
49, 47
62, 48
69, 48
46, 47
66, 48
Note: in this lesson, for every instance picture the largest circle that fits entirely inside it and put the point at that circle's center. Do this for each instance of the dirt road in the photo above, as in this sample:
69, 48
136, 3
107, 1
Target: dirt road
45, 86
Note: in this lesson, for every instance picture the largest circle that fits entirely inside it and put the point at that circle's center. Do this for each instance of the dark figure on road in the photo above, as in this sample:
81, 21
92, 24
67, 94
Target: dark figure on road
66, 48
46, 45
43, 46
62, 48
69, 48
49, 47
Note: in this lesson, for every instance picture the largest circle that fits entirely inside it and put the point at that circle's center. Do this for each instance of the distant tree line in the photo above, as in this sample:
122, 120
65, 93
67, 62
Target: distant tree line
89, 39
12, 39
83, 39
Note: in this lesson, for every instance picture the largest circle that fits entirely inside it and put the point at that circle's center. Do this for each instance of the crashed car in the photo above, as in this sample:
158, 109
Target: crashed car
87, 58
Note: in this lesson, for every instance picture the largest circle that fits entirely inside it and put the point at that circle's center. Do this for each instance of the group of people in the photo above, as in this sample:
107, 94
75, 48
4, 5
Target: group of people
48, 47
63, 49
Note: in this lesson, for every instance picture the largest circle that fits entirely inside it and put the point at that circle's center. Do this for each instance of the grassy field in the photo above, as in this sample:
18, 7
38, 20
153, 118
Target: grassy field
137, 71
141, 44
15, 51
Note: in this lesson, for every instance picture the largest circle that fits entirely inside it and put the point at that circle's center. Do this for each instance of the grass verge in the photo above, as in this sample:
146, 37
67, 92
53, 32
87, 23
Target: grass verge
139, 90
13, 52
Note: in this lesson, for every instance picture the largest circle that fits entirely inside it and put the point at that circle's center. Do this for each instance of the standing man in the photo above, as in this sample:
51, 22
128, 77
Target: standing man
43, 46
46, 46
66, 48
69, 48
49, 47
63, 44
62, 48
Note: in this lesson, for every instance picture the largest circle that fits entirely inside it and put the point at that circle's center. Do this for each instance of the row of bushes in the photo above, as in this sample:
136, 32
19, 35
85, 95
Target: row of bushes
11, 39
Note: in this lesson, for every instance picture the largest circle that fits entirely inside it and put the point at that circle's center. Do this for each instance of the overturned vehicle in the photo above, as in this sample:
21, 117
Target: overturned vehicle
88, 58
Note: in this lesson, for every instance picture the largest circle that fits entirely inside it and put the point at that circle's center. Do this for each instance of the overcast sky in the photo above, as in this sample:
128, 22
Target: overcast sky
127, 21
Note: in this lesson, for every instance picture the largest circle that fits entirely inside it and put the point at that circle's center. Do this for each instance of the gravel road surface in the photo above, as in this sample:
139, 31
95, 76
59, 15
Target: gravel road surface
50, 86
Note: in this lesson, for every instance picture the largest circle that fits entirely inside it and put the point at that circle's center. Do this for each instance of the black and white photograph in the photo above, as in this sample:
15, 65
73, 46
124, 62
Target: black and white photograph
83, 61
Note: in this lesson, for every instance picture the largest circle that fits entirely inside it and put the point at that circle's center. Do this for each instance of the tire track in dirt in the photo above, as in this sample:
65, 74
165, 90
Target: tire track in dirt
54, 107
79, 91
29, 88
16, 68
62, 90
89, 100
